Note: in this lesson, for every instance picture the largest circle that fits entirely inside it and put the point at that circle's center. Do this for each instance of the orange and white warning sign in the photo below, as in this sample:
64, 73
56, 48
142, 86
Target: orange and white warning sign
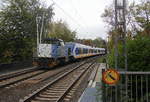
111, 76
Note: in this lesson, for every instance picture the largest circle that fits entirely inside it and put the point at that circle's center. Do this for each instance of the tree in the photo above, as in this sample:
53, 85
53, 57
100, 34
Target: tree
142, 16
138, 23
18, 28
137, 18
138, 54
61, 30
99, 42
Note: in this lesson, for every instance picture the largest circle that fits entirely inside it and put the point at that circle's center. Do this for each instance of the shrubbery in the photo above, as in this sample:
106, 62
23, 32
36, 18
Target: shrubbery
138, 54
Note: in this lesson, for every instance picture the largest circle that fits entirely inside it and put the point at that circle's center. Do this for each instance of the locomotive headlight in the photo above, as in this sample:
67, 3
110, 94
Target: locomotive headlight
34, 63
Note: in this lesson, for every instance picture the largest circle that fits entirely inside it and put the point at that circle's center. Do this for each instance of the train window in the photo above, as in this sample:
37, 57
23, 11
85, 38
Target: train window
51, 42
77, 51
92, 50
58, 43
87, 50
80, 51
69, 51
84, 50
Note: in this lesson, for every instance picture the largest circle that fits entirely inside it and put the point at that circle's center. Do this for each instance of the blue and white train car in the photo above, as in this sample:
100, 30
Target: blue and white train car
77, 50
51, 52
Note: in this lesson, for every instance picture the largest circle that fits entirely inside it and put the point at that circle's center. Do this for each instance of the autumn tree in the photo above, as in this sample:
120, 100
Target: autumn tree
62, 31
141, 15
18, 28
138, 37
97, 42
137, 18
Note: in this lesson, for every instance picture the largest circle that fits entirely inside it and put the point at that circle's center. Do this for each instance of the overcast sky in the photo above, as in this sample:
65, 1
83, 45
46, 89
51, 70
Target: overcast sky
84, 16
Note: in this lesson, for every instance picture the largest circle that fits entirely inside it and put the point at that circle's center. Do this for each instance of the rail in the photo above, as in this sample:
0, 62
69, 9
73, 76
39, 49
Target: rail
31, 96
17, 73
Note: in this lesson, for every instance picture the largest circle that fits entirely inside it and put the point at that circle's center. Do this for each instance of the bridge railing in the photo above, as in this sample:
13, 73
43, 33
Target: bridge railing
132, 87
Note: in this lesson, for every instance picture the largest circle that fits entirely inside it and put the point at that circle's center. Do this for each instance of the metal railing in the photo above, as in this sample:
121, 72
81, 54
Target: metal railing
137, 88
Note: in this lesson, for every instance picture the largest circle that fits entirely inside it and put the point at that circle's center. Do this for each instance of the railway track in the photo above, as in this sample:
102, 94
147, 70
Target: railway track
13, 79
56, 90
17, 73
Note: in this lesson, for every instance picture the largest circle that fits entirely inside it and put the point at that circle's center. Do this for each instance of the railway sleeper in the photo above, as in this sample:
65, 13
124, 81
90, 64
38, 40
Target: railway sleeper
45, 99
71, 93
52, 94
39, 101
60, 86
49, 96
54, 91
67, 99
57, 89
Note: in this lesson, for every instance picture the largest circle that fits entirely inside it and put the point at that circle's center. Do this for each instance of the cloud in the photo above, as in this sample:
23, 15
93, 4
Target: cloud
92, 32
83, 16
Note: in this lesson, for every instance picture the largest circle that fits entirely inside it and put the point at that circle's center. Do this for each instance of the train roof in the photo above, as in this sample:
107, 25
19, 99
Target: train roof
82, 45
52, 39
77, 44
73, 44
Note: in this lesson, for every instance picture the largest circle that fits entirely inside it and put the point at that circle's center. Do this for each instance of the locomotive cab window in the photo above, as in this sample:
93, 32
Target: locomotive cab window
50, 42
62, 43
53, 41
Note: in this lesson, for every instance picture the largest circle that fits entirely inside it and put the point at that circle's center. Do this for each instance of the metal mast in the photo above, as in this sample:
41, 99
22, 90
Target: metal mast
120, 37
120, 28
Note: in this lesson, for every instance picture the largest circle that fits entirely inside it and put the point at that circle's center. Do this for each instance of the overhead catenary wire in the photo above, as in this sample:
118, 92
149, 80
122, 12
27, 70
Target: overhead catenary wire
71, 18
76, 10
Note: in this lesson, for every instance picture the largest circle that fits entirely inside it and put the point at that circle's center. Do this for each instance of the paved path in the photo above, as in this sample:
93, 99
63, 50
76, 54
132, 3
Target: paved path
93, 91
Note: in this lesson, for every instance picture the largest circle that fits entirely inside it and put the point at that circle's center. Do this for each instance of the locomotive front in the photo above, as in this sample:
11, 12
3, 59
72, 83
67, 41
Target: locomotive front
48, 52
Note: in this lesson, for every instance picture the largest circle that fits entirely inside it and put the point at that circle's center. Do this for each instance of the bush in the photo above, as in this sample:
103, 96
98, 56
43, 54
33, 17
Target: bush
138, 54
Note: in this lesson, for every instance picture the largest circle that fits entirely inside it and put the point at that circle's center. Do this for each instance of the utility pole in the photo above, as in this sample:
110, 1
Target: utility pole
37, 36
120, 37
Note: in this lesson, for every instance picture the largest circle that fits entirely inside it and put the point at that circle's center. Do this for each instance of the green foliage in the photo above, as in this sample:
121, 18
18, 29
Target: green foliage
111, 60
138, 41
102, 59
137, 18
138, 54
61, 30
138, 35
99, 42
18, 28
